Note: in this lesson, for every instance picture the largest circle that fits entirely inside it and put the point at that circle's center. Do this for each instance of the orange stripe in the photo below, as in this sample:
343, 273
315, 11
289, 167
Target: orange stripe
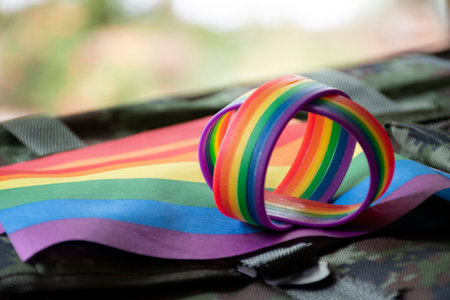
287, 180
282, 155
142, 152
184, 157
223, 127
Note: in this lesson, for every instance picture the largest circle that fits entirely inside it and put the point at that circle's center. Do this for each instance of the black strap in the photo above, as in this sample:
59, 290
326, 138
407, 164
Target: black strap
293, 265
44, 135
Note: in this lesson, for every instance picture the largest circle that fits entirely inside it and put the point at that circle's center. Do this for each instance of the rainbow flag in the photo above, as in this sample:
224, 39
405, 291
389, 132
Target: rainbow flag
146, 194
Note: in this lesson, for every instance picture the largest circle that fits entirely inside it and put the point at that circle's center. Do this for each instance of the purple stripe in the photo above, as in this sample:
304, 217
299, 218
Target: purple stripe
164, 243
2, 230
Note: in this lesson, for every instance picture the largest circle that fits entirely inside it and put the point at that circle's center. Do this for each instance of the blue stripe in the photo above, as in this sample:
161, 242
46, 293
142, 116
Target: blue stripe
203, 220
334, 166
404, 170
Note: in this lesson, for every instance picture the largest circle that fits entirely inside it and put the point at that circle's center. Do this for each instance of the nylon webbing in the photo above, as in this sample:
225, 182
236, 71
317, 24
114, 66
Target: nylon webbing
294, 265
44, 135
370, 98
283, 260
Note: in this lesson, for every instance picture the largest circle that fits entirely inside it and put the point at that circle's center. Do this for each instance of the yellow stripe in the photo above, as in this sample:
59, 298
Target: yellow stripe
103, 159
358, 150
216, 140
183, 171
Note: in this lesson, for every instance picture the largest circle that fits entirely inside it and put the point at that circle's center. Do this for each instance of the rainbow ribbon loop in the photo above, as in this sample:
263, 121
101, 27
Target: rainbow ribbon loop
237, 143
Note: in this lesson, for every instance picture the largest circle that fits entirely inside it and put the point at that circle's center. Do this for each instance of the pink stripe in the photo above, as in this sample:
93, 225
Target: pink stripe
178, 245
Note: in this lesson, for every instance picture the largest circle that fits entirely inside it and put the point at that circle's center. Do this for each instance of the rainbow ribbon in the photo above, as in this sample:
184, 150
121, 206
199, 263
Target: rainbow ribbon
237, 143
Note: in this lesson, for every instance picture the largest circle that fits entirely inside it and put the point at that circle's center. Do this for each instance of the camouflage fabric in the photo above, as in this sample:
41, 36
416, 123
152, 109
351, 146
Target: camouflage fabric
410, 256
430, 146
419, 269
409, 259
90, 270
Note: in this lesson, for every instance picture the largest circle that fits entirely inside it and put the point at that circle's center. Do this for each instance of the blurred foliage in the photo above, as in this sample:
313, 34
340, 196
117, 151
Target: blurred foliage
67, 56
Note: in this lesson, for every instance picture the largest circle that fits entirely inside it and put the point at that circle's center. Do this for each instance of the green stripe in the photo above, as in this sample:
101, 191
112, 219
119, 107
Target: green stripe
211, 142
170, 191
357, 173
328, 158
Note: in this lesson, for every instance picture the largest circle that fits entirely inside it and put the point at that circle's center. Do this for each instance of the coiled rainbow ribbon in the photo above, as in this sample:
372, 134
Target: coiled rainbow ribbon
237, 142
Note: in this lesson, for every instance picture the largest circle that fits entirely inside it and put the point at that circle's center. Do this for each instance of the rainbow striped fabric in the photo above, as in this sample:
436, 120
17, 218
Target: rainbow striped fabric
146, 194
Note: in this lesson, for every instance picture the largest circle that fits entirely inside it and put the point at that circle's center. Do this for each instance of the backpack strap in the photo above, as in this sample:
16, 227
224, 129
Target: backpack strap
42, 134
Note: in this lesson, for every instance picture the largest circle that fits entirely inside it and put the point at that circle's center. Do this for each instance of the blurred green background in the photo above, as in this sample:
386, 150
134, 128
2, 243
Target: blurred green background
64, 57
